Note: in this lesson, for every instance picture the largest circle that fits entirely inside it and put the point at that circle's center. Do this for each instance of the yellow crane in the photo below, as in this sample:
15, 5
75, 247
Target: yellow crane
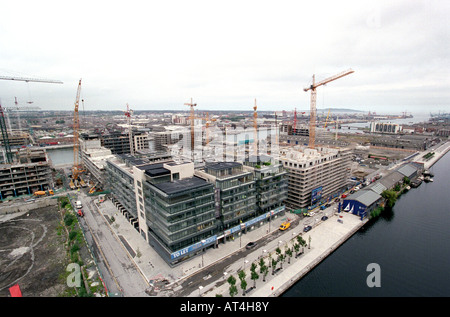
326, 120
76, 169
312, 118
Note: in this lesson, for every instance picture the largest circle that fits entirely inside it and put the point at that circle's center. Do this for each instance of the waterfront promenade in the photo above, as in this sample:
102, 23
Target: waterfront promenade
439, 151
325, 236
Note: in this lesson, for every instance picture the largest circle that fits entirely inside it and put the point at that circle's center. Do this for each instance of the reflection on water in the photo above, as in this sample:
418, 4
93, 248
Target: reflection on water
60, 156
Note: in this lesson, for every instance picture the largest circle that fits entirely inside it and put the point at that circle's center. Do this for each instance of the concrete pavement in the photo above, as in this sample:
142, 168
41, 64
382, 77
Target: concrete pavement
325, 237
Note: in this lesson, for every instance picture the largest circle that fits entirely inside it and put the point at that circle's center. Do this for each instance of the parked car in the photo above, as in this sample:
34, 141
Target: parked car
250, 245
307, 228
324, 218
80, 213
344, 195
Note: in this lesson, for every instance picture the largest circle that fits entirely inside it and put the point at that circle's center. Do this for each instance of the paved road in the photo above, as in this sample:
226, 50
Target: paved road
118, 270
214, 273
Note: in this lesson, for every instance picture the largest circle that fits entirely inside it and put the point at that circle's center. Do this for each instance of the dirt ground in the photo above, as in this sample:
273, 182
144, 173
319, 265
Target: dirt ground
32, 253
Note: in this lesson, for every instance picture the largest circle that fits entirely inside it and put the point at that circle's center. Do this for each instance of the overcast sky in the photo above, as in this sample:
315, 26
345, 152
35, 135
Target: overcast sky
156, 55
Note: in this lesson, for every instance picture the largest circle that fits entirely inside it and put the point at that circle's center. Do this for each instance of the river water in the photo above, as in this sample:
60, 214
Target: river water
410, 244
61, 156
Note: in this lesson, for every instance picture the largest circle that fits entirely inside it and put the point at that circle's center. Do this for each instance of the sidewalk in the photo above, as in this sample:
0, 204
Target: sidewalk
154, 268
325, 238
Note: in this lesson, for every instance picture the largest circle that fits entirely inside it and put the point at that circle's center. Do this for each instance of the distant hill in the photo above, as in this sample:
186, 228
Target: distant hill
338, 110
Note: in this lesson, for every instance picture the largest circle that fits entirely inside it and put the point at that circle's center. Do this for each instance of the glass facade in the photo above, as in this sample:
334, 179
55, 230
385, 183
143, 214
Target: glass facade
181, 215
182, 218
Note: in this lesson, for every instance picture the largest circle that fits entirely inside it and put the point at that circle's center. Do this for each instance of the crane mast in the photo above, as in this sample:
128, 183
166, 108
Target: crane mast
130, 130
312, 118
9, 156
192, 105
255, 130
76, 143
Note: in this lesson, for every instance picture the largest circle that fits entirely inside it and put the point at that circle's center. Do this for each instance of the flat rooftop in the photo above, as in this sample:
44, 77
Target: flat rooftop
181, 185
222, 165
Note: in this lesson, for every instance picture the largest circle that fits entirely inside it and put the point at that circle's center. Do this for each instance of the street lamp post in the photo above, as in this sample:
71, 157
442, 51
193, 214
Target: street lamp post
203, 251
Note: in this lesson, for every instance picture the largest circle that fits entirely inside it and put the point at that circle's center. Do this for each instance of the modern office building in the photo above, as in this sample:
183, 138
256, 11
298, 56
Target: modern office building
235, 192
270, 180
314, 175
181, 211
171, 208
119, 142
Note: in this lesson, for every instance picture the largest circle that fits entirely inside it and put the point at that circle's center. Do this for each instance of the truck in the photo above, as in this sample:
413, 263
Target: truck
43, 192
78, 204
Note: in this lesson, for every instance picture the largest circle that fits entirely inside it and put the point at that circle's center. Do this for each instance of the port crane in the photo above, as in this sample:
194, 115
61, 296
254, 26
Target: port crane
313, 87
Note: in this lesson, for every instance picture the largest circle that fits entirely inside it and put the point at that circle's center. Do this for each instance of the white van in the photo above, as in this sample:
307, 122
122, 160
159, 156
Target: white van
78, 204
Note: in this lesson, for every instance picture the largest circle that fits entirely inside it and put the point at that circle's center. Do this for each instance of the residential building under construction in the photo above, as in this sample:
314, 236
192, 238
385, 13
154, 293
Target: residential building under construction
29, 171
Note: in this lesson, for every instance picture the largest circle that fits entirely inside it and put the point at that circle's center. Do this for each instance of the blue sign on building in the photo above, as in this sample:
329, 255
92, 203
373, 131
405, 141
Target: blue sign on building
316, 195
193, 247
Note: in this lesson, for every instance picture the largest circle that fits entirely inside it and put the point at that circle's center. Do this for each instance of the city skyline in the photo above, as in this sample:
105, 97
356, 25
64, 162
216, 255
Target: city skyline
157, 56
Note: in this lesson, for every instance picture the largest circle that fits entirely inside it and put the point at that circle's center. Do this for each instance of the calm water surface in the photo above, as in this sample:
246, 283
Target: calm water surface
411, 244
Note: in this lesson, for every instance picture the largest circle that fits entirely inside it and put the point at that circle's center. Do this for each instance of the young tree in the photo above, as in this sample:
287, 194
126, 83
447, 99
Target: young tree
281, 260
302, 242
233, 289
254, 276
242, 276
262, 264
289, 253
274, 264
296, 248
265, 272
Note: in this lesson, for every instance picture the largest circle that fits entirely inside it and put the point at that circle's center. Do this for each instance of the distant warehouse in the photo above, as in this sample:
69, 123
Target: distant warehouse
362, 202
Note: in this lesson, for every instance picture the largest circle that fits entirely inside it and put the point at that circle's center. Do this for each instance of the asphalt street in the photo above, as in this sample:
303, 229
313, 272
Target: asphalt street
120, 275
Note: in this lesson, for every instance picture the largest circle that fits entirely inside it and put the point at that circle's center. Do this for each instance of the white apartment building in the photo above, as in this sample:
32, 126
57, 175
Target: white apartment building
314, 175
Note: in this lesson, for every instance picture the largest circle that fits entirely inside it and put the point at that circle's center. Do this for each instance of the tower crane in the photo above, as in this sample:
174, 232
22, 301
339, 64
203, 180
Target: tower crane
26, 79
5, 137
128, 114
255, 131
2, 115
191, 117
76, 169
312, 87
326, 120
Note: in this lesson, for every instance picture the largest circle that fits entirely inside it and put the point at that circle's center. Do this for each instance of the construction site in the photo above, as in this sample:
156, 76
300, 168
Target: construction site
318, 154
